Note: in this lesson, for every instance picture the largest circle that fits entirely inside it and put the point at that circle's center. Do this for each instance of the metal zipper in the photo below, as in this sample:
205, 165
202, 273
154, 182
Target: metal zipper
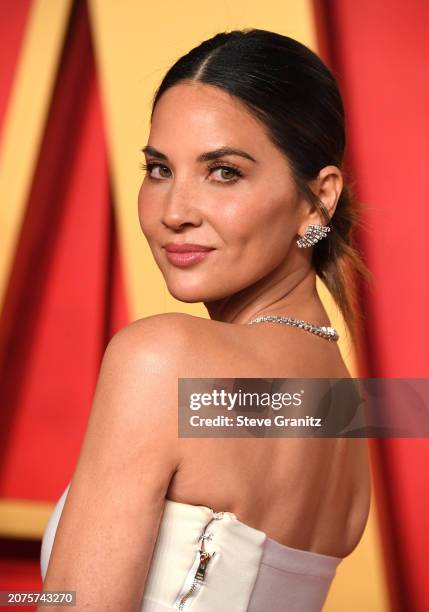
195, 580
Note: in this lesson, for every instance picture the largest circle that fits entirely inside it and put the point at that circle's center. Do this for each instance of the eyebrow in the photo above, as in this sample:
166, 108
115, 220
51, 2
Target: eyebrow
207, 156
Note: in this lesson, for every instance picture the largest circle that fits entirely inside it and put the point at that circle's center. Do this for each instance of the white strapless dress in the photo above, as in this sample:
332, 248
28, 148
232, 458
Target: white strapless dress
207, 561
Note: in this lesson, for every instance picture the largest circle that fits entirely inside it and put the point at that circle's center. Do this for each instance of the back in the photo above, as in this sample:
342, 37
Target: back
312, 494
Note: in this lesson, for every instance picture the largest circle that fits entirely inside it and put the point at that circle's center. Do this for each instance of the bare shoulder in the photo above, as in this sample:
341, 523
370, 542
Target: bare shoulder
147, 328
170, 341
167, 324
137, 382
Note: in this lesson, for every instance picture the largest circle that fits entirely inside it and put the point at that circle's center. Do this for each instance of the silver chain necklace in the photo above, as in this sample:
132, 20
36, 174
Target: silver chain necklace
329, 333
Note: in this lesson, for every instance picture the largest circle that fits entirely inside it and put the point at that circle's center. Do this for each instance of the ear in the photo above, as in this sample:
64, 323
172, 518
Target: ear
327, 186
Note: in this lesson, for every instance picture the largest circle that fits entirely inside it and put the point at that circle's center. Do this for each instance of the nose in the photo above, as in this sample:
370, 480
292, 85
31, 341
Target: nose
180, 206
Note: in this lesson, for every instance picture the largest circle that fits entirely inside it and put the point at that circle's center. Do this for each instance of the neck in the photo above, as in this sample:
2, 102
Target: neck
294, 295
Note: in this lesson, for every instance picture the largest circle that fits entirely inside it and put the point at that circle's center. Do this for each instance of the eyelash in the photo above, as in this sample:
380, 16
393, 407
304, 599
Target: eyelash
151, 165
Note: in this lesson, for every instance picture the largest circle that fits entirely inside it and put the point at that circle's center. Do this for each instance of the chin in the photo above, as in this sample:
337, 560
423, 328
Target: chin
189, 297
186, 292
195, 292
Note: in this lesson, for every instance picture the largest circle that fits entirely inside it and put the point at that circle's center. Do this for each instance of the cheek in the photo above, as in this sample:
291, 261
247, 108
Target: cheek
146, 210
258, 223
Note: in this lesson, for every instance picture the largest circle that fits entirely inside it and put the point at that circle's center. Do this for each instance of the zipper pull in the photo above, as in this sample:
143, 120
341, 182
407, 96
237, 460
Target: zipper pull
205, 556
201, 571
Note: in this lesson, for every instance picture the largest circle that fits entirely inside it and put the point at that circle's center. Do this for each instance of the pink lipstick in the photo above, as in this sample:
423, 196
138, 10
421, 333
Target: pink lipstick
186, 254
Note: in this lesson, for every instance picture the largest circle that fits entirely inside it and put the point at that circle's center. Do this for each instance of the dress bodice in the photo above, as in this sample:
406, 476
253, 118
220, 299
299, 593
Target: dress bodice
208, 561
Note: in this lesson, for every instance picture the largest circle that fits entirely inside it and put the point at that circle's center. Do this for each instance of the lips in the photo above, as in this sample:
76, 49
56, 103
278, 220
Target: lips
183, 255
172, 247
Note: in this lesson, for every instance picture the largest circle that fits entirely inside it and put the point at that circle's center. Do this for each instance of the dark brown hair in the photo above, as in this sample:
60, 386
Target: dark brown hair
296, 97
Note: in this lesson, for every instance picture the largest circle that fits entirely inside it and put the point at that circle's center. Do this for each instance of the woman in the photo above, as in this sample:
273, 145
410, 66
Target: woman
244, 157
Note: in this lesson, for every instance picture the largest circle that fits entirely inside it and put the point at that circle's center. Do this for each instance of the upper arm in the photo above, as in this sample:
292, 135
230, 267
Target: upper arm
109, 525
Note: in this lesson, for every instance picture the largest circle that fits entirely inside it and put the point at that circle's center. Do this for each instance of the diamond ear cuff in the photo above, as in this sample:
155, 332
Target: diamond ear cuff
313, 234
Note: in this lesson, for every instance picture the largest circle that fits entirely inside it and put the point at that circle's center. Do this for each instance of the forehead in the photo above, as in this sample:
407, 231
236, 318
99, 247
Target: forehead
197, 112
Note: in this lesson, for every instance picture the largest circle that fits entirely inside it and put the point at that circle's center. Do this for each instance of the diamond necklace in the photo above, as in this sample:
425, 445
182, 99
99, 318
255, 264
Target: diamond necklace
329, 333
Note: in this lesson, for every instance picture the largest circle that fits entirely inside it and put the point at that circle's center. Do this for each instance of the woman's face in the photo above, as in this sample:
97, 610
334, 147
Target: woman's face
245, 207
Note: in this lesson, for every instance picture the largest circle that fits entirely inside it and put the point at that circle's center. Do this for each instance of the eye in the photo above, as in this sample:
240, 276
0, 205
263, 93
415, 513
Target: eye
151, 165
229, 173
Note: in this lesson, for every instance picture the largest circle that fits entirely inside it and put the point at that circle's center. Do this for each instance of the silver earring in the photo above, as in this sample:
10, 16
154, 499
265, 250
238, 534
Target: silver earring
313, 234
